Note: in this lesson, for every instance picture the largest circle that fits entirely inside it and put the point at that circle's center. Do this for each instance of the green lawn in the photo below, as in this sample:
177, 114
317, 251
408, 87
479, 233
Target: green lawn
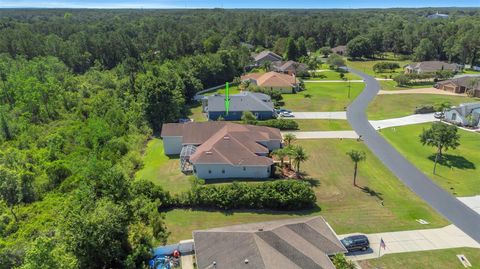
460, 174
347, 208
389, 85
366, 66
438, 259
331, 75
323, 97
231, 90
399, 105
323, 125
195, 112
161, 169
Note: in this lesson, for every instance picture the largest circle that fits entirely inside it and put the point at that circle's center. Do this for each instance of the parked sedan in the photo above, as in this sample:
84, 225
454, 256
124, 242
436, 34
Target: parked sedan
439, 115
356, 242
280, 110
286, 114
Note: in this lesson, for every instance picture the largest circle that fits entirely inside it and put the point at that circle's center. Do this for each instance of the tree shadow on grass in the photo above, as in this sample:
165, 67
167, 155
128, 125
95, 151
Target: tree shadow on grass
456, 161
372, 192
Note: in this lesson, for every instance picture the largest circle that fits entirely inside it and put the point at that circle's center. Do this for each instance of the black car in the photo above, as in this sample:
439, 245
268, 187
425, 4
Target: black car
356, 242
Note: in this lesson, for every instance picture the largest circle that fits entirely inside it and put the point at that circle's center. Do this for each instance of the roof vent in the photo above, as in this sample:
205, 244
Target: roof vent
226, 138
260, 230
246, 261
208, 152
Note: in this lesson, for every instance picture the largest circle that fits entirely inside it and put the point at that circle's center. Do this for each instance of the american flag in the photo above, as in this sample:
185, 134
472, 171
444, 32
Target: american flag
382, 243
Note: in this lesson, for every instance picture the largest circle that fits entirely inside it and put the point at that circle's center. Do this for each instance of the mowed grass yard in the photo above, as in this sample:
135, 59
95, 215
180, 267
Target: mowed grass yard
366, 66
331, 75
438, 259
323, 125
347, 208
161, 169
459, 173
329, 96
388, 106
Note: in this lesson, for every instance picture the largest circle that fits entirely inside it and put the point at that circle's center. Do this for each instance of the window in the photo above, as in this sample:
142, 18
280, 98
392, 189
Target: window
268, 170
454, 116
244, 168
209, 171
223, 171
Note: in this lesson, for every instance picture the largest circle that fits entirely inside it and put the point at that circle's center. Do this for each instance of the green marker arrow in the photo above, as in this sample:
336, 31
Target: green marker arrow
227, 99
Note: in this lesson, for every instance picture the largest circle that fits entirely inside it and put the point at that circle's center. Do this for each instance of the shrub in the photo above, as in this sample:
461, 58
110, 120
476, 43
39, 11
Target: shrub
401, 80
425, 109
275, 195
282, 124
382, 66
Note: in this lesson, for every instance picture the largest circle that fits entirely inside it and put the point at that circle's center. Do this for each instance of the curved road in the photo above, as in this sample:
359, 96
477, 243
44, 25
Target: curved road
450, 207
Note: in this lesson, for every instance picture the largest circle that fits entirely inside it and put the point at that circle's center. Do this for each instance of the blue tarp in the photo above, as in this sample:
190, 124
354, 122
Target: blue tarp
167, 250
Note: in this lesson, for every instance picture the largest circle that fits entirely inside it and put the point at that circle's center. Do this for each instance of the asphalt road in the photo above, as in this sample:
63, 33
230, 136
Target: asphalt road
451, 208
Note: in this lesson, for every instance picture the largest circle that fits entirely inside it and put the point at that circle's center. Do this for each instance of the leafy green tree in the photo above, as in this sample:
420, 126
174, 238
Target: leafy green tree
359, 47
10, 190
335, 60
341, 262
98, 236
301, 47
57, 172
291, 51
402, 80
48, 253
442, 137
425, 51
325, 51
248, 117
356, 157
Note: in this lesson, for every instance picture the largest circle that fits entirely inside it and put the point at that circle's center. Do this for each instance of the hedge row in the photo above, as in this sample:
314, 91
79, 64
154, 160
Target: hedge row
282, 124
275, 195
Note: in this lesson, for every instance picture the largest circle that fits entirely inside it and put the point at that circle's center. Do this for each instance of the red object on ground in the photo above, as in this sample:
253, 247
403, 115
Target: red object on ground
176, 253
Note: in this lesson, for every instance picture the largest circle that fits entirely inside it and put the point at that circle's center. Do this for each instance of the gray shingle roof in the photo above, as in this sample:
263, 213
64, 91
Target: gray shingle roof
302, 243
266, 53
244, 101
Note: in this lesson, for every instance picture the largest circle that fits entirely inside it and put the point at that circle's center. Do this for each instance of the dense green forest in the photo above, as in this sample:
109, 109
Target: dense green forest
81, 92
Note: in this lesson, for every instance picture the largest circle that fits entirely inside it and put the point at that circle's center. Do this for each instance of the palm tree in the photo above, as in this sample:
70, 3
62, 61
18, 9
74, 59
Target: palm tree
356, 156
281, 154
267, 65
289, 139
299, 156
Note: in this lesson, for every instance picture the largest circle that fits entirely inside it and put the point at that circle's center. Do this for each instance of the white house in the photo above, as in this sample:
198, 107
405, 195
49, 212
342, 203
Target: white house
222, 150
465, 114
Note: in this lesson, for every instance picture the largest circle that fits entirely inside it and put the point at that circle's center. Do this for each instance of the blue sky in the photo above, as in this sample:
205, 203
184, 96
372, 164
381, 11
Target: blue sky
235, 4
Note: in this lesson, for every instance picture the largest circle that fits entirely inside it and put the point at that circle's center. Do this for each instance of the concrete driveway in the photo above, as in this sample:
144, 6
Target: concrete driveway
336, 115
416, 240
408, 120
422, 91
473, 202
324, 134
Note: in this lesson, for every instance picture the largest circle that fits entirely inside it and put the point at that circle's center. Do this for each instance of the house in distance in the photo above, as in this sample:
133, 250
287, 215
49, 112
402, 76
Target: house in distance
258, 103
284, 83
430, 67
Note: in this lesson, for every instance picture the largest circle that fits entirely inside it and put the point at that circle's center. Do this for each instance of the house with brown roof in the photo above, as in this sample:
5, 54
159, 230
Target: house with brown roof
430, 67
298, 243
272, 80
340, 50
289, 67
266, 56
461, 84
222, 150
